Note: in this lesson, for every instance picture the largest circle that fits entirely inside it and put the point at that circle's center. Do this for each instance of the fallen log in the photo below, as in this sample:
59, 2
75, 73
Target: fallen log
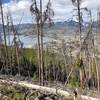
46, 89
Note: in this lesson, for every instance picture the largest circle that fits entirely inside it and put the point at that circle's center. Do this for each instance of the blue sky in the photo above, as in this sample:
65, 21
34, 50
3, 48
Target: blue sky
5, 1
62, 8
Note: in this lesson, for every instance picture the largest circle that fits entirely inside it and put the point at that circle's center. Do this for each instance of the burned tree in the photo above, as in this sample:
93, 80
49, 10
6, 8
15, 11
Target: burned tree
77, 3
4, 46
41, 18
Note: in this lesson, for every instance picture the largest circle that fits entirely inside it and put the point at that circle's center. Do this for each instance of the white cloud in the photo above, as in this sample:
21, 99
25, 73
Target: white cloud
18, 10
91, 4
62, 8
16, 6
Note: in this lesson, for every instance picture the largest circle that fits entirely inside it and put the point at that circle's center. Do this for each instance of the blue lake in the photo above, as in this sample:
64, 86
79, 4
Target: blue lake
28, 41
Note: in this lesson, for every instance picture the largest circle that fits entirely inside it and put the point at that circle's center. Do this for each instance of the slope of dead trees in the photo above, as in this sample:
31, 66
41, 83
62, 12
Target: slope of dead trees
57, 62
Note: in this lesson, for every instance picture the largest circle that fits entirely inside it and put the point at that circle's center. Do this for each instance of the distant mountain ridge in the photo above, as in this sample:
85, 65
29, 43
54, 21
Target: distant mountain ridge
28, 27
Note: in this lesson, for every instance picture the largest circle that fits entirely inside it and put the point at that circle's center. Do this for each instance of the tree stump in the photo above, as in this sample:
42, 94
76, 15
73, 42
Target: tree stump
76, 95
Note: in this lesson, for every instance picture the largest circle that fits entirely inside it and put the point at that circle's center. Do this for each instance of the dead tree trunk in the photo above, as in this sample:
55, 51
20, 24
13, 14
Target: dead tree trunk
80, 32
41, 34
4, 33
39, 53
